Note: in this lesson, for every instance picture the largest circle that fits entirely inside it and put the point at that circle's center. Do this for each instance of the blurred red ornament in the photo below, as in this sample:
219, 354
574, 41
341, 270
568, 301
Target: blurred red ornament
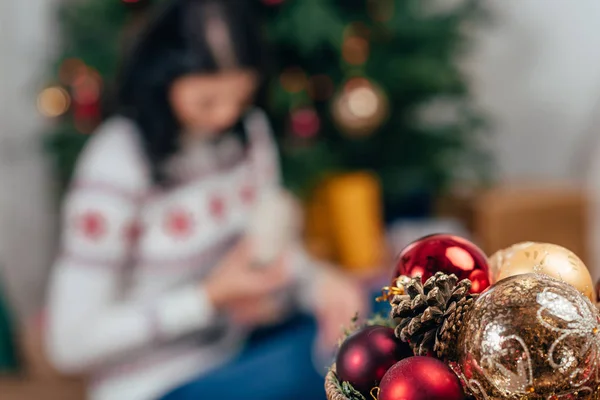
135, 3
86, 89
420, 378
305, 122
365, 356
86, 117
445, 253
86, 111
87, 86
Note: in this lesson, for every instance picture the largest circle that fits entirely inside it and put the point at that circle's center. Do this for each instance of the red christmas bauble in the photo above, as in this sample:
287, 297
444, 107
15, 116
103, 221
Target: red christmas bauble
136, 4
305, 123
367, 354
420, 378
445, 253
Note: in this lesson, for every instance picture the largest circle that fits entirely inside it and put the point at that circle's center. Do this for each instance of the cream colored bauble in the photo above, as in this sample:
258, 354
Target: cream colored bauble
544, 258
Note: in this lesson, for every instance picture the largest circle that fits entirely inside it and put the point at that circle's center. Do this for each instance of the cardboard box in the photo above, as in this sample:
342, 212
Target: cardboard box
509, 214
554, 214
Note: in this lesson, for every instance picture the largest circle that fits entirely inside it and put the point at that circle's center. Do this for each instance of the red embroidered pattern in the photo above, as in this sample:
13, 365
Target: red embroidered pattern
132, 231
179, 223
217, 207
248, 194
92, 225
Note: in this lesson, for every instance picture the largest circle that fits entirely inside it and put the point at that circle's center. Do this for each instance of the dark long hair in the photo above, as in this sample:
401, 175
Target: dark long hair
176, 44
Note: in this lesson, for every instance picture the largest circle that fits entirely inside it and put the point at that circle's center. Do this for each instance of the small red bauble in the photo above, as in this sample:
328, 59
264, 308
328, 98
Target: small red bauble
367, 354
445, 253
420, 378
305, 123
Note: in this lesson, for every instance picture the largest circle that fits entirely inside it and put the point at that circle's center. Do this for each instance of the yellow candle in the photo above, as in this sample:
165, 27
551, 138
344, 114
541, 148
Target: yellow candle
354, 207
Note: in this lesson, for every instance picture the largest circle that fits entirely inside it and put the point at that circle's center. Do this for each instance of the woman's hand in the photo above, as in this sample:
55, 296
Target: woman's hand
258, 312
339, 299
239, 288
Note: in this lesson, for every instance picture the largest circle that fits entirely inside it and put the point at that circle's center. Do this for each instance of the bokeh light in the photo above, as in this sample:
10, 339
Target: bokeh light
355, 50
87, 87
357, 29
363, 102
70, 69
360, 107
381, 10
321, 87
293, 80
305, 122
53, 102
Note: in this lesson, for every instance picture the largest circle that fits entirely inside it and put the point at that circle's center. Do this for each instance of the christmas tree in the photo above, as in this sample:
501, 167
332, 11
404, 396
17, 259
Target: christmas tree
356, 85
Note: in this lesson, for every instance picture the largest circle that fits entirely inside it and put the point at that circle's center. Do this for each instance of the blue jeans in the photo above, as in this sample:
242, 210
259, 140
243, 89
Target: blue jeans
276, 365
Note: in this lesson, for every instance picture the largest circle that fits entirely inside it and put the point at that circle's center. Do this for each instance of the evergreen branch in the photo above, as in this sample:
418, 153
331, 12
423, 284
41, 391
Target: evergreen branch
347, 389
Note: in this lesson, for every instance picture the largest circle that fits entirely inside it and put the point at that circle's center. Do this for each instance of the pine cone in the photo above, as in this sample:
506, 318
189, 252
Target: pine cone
447, 335
431, 314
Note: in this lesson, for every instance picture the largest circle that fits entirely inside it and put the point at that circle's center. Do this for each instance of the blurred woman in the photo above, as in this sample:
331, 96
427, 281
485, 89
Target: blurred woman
156, 290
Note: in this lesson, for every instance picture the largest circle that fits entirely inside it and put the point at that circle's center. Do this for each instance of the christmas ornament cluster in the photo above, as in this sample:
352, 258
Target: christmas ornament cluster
522, 324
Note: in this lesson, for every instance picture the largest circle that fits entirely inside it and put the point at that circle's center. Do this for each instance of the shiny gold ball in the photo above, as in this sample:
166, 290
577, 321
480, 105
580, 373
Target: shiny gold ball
543, 258
530, 337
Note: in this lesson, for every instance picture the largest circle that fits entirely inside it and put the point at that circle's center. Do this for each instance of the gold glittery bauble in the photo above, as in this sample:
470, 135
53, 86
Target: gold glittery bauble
543, 258
360, 108
531, 337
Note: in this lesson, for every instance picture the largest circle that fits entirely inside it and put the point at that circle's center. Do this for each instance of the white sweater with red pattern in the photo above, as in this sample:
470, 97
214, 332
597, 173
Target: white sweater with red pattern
125, 305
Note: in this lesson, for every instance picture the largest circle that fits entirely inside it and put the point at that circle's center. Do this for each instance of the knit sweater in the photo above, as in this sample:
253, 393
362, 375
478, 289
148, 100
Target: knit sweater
126, 305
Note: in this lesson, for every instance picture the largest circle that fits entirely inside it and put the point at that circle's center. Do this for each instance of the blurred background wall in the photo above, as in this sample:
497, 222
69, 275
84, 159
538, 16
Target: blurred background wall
538, 73
26, 220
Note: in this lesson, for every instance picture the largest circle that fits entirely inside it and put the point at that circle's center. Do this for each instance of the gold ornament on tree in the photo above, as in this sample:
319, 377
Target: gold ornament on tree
360, 108
527, 337
543, 258
53, 101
